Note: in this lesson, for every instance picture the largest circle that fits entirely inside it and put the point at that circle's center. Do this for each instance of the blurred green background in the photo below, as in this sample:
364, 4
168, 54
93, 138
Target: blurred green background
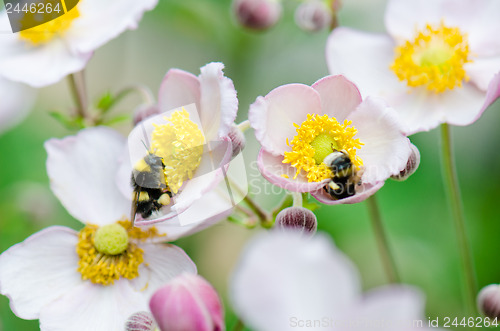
187, 34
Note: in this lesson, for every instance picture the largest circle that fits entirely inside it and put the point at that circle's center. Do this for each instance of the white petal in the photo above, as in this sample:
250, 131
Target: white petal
386, 149
482, 70
462, 106
339, 96
273, 117
364, 59
162, 262
93, 307
101, 21
179, 88
82, 171
39, 270
22, 62
16, 102
219, 103
401, 306
295, 276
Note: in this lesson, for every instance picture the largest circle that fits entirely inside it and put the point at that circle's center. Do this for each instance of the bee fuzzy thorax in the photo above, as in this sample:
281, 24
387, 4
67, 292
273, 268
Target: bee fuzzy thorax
345, 176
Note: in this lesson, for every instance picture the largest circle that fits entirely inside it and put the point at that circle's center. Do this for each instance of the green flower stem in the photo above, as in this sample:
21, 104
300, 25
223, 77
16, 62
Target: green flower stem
455, 201
143, 91
244, 126
382, 243
264, 217
239, 326
297, 199
79, 91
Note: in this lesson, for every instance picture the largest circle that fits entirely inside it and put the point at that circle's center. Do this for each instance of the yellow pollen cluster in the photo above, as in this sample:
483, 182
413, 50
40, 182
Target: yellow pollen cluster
104, 269
305, 145
180, 145
43, 33
435, 59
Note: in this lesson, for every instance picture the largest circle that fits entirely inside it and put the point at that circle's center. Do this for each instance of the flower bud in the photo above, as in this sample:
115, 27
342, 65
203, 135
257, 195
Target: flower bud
313, 16
141, 321
411, 165
144, 111
188, 302
237, 139
297, 218
257, 14
488, 301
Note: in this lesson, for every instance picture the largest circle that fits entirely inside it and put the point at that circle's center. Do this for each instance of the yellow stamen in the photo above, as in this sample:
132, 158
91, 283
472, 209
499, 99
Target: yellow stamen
180, 145
317, 137
44, 33
104, 269
435, 59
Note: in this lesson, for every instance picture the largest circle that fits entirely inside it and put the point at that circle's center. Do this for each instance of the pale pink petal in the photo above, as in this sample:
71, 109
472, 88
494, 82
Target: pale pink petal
179, 88
16, 102
365, 59
295, 276
273, 116
402, 305
339, 96
403, 18
162, 262
82, 171
282, 174
101, 21
363, 192
219, 103
493, 92
462, 106
482, 70
93, 307
28, 64
385, 150
38, 270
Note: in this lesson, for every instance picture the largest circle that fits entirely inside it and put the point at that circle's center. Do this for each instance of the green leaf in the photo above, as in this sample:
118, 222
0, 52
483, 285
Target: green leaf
106, 102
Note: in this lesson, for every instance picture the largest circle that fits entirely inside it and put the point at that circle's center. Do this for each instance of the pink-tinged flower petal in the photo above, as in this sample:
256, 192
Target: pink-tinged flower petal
16, 102
365, 59
273, 116
82, 171
39, 270
93, 307
205, 212
178, 88
28, 64
162, 263
99, 22
402, 305
295, 276
339, 96
404, 18
272, 168
493, 92
462, 106
188, 302
482, 70
362, 193
385, 149
219, 103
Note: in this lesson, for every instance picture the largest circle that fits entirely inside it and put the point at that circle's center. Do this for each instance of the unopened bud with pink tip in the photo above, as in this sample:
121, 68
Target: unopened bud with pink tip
488, 301
313, 15
188, 302
141, 321
411, 165
257, 14
297, 219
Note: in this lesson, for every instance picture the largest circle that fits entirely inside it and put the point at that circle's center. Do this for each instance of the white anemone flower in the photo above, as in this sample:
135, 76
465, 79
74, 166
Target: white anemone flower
16, 101
95, 278
436, 64
286, 281
43, 55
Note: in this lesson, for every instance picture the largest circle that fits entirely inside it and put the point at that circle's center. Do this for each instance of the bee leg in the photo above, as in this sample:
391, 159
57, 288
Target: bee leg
164, 199
333, 186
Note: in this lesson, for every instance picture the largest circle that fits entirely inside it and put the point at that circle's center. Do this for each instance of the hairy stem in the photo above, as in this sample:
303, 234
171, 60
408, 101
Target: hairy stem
79, 91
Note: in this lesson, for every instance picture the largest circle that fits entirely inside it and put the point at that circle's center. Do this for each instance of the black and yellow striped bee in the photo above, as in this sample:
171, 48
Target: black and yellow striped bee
345, 176
151, 192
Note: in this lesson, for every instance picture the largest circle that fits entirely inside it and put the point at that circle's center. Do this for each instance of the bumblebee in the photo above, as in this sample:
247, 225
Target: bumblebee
345, 176
151, 192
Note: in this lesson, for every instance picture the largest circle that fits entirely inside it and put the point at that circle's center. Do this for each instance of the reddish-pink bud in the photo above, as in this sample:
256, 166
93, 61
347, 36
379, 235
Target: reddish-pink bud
188, 302
488, 301
141, 321
257, 14
313, 15
297, 218
411, 165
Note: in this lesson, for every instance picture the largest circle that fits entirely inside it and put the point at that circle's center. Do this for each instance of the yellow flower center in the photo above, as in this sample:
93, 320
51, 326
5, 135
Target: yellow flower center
46, 32
316, 138
180, 144
435, 59
110, 252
